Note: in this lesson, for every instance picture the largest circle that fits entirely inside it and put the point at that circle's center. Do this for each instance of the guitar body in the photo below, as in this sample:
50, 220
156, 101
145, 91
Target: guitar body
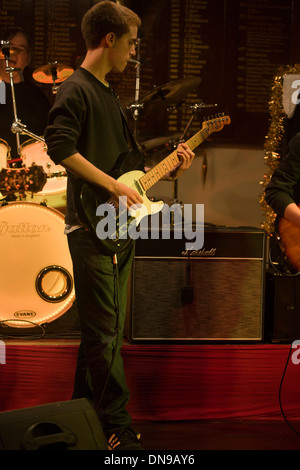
290, 241
90, 198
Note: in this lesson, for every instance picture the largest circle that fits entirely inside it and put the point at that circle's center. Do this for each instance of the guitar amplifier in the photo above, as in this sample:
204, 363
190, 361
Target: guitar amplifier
215, 293
282, 319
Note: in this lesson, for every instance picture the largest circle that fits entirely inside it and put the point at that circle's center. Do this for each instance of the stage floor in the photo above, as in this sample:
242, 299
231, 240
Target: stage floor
219, 435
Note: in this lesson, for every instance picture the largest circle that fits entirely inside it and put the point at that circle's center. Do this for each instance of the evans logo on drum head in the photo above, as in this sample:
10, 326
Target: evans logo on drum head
24, 314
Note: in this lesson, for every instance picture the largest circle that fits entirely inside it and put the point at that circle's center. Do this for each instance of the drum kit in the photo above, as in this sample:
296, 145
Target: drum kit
36, 279
37, 283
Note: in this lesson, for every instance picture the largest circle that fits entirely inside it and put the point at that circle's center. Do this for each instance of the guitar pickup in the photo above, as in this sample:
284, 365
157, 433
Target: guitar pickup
138, 187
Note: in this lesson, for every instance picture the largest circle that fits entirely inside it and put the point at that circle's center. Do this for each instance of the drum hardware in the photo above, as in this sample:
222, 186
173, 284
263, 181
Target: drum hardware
54, 192
17, 127
5, 53
4, 153
5, 49
52, 73
31, 179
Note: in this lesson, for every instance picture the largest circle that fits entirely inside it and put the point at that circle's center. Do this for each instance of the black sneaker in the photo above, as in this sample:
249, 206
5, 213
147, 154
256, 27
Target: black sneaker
123, 439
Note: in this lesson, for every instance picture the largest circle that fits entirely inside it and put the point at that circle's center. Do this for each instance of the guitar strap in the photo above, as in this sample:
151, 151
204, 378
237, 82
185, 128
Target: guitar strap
134, 144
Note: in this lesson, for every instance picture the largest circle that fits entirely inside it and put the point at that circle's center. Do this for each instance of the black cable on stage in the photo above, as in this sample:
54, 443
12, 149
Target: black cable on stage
280, 391
18, 336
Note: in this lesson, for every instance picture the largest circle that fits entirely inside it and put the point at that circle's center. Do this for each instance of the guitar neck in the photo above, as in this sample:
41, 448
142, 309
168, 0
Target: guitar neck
171, 161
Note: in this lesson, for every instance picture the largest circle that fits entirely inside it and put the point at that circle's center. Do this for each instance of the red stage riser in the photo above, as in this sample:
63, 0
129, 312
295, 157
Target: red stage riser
167, 382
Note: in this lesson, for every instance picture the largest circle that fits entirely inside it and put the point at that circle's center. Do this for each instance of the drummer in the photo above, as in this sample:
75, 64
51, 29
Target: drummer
31, 102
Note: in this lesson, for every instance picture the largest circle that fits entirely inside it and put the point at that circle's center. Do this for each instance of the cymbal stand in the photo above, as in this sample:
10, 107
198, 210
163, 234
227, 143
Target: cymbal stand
11, 70
17, 127
54, 77
196, 108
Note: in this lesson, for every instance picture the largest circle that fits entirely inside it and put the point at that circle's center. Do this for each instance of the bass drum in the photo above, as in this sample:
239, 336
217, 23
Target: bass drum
54, 191
4, 153
36, 275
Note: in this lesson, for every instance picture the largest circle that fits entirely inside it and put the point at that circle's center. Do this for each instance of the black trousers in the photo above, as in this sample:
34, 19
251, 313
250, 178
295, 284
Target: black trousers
101, 294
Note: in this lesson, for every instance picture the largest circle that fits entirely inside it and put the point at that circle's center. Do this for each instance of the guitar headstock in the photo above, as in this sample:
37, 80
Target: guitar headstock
216, 124
13, 180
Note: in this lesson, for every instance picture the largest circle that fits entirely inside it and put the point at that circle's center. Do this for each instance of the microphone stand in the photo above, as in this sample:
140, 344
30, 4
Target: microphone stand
136, 106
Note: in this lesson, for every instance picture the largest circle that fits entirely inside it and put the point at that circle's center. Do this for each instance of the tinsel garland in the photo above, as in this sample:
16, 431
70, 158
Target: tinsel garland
273, 141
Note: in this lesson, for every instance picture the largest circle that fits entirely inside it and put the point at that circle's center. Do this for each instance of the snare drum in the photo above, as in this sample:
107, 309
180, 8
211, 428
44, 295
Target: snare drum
36, 275
4, 153
54, 191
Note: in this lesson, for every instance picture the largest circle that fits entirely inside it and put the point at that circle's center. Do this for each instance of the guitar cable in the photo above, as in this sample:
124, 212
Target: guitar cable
280, 394
291, 275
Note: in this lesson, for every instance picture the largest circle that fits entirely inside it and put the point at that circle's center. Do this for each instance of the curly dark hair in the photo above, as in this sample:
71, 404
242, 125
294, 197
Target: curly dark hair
106, 17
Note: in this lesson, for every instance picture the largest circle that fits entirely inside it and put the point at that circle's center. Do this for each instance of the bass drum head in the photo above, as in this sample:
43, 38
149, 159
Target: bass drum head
36, 275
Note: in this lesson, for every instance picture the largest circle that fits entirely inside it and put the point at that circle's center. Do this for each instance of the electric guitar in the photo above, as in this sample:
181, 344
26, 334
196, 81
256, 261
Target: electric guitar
88, 198
290, 241
31, 179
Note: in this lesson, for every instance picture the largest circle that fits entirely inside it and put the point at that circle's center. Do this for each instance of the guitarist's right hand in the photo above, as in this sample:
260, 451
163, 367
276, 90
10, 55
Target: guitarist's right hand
132, 200
81, 167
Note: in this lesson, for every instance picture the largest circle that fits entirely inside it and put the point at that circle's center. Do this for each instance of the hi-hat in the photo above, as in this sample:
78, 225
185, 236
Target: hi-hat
172, 93
52, 72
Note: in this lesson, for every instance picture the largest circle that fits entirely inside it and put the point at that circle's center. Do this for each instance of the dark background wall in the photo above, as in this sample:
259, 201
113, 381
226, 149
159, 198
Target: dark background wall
235, 47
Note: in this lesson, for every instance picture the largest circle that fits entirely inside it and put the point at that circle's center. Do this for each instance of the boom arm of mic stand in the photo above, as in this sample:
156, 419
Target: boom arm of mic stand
19, 128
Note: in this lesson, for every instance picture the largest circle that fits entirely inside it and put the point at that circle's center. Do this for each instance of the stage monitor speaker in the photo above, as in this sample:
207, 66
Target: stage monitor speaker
282, 307
71, 425
215, 293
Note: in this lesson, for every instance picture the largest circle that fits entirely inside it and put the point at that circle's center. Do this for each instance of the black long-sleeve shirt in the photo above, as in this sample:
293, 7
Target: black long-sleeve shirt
85, 118
284, 187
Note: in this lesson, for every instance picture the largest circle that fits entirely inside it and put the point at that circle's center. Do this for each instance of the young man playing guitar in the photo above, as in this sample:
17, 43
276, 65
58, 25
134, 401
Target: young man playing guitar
86, 134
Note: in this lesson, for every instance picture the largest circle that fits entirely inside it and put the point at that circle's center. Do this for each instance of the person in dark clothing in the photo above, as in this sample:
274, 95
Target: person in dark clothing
282, 193
86, 135
32, 104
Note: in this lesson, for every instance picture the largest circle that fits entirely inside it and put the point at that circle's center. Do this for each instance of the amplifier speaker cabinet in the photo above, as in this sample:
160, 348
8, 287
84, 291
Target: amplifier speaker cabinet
212, 294
282, 307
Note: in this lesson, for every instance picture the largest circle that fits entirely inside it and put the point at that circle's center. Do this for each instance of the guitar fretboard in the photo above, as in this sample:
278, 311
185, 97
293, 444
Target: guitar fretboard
171, 161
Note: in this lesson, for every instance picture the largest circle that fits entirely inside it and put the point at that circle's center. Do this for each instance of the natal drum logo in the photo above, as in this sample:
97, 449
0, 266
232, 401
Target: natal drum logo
23, 228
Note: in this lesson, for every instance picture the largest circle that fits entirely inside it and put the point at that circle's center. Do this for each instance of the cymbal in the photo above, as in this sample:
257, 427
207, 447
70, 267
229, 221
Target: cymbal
155, 150
173, 92
159, 141
12, 52
52, 72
